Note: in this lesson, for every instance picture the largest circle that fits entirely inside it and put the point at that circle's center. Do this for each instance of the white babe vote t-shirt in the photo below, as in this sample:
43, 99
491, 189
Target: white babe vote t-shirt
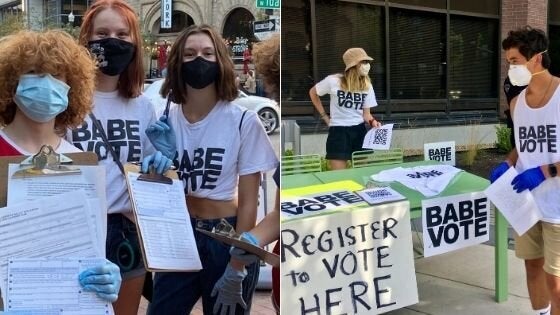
346, 107
124, 122
214, 151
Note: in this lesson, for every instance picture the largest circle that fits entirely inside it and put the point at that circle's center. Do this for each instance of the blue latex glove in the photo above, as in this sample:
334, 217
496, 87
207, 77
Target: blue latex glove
529, 179
104, 280
160, 162
242, 255
498, 171
162, 136
228, 290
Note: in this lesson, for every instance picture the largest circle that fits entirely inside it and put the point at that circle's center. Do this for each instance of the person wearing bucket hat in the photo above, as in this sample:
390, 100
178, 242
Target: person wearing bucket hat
351, 97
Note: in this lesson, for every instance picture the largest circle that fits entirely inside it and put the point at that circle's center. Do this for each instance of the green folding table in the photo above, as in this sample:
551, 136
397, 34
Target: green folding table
464, 182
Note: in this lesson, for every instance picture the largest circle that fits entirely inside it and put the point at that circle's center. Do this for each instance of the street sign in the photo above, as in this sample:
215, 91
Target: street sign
264, 29
268, 4
166, 14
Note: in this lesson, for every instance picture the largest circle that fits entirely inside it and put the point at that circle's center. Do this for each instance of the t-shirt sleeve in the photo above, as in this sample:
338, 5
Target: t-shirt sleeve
256, 153
150, 118
324, 86
370, 99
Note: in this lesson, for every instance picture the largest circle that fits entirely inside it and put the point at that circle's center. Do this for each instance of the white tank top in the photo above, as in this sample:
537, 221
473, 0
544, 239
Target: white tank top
537, 131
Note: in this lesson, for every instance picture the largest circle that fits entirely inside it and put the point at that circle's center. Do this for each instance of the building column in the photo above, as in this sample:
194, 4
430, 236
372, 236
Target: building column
34, 14
516, 14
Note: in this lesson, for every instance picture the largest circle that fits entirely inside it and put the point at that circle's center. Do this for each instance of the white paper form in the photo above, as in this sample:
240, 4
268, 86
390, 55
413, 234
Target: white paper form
52, 284
165, 227
520, 209
91, 180
55, 226
379, 138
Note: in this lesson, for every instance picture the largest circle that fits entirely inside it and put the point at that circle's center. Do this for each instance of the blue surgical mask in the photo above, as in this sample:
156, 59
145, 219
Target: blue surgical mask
41, 97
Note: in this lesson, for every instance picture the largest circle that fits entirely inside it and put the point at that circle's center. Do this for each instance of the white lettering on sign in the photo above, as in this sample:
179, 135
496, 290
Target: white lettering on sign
454, 222
302, 206
440, 151
166, 12
351, 262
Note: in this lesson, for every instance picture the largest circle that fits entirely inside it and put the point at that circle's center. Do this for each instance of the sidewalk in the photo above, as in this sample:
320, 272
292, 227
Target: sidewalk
462, 282
261, 305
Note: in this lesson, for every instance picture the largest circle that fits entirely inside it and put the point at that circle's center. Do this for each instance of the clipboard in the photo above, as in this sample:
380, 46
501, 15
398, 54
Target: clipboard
230, 237
165, 179
74, 159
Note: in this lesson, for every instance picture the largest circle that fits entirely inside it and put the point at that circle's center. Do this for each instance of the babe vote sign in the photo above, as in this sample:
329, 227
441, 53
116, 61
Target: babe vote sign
440, 151
455, 222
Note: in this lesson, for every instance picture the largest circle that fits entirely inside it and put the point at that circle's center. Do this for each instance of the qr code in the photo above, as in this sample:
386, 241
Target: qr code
381, 136
378, 193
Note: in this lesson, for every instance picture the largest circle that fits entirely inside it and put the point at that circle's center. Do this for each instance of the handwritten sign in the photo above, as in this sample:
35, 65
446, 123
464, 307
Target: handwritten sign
440, 151
356, 262
378, 138
455, 222
319, 199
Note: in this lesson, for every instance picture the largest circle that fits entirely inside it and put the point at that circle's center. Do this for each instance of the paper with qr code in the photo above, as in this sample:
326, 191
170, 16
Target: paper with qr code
379, 195
379, 138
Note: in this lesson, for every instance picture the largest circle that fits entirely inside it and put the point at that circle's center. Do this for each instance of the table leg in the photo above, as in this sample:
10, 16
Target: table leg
501, 257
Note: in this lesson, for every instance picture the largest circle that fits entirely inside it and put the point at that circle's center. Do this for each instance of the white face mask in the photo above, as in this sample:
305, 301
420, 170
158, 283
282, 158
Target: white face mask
519, 75
364, 69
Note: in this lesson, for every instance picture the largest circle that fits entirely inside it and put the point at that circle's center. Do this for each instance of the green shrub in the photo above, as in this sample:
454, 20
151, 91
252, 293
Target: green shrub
502, 135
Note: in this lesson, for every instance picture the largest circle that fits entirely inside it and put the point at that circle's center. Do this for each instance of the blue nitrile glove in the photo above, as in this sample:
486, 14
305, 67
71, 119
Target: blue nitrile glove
228, 290
498, 171
242, 255
160, 162
529, 179
162, 136
104, 280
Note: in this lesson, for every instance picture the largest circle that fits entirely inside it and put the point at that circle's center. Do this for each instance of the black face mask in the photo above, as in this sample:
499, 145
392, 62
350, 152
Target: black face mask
199, 73
113, 55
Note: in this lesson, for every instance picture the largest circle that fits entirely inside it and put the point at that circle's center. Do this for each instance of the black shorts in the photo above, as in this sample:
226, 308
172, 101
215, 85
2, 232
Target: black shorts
343, 140
122, 247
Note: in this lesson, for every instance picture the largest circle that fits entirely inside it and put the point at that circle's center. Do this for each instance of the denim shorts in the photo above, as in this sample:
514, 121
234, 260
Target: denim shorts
176, 293
122, 246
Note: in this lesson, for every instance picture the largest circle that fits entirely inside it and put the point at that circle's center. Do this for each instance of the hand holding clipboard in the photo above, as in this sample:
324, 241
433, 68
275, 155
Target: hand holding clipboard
225, 233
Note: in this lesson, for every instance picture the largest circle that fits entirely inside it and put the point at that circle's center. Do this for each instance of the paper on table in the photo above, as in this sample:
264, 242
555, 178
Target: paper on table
379, 138
43, 284
378, 195
165, 227
91, 180
520, 209
54, 226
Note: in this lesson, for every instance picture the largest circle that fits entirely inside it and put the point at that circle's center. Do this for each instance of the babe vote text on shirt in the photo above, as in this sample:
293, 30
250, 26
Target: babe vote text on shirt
120, 134
202, 169
540, 138
350, 99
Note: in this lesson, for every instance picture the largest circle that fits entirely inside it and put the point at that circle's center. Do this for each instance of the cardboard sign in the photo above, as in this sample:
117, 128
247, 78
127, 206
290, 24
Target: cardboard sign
355, 262
455, 222
379, 138
319, 199
440, 151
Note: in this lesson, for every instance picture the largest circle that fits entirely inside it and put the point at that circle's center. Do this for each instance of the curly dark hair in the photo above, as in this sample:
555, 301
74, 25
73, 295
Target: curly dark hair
266, 56
529, 41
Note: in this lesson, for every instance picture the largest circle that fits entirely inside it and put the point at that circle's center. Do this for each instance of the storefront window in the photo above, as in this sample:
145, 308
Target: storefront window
437, 4
238, 31
477, 6
77, 7
297, 74
474, 50
342, 25
417, 66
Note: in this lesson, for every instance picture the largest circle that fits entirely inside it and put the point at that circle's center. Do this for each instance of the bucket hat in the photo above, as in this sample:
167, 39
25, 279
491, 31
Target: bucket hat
354, 56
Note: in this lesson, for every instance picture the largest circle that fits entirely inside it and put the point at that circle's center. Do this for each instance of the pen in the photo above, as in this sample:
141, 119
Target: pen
166, 111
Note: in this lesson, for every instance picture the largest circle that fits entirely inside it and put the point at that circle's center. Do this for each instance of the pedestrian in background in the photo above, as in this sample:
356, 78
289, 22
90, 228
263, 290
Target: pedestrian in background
221, 151
111, 31
351, 98
250, 82
536, 108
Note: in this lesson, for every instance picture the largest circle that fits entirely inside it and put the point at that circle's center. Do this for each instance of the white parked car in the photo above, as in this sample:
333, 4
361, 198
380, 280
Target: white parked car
266, 108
